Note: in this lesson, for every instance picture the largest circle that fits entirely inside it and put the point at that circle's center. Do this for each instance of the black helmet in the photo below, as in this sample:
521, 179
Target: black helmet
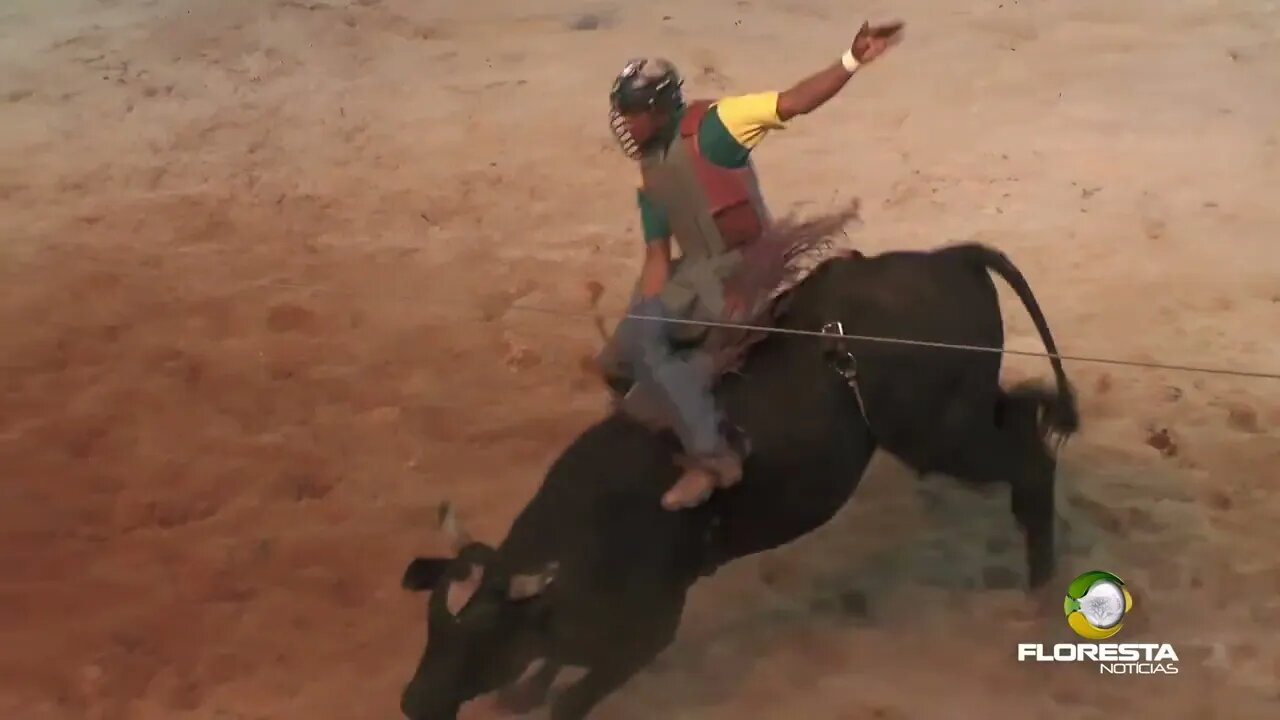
643, 85
646, 84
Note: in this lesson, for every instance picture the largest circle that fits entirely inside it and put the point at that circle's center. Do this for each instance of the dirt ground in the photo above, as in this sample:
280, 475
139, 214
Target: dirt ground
256, 319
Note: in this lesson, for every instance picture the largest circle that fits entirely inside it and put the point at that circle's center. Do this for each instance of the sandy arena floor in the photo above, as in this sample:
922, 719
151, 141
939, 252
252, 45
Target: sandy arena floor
258, 265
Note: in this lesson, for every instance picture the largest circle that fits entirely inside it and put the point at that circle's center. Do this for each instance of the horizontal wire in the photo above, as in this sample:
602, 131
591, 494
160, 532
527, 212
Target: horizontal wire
920, 343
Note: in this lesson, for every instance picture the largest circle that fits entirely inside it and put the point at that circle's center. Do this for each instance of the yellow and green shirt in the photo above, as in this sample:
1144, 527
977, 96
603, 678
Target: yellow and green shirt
730, 130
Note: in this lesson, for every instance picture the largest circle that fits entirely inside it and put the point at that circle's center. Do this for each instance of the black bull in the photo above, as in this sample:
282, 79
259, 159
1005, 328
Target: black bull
594, 573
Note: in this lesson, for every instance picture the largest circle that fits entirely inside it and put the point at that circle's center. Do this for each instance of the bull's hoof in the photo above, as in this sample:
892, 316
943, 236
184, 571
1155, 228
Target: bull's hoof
1041, 568
1039, 580
522, 698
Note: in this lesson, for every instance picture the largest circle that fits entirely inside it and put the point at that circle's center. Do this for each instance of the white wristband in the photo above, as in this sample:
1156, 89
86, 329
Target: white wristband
849, 62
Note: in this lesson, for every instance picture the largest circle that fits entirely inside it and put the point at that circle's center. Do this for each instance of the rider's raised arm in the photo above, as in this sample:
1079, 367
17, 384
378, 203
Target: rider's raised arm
812, 92
733, 127
736, 124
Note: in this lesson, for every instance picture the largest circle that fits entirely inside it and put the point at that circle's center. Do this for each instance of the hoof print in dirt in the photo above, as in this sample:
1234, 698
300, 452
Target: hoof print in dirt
1103, 384
1140, 519
590, 21
1162, 441
595, 290
1102, 516
1243, 418
853, 604
848, 604
287, 318
1219, 500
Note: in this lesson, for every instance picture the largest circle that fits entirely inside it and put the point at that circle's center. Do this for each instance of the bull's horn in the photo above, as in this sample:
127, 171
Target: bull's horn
526, 586
449, 524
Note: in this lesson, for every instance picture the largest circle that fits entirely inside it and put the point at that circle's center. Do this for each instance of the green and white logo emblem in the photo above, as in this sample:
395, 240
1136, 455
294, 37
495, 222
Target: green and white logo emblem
1096, 605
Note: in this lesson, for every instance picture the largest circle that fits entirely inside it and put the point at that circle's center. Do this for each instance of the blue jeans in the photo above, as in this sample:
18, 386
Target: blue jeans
641, 349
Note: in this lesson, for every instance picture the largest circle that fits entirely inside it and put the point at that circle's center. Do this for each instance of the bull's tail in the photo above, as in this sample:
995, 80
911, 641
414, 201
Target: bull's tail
1062, 416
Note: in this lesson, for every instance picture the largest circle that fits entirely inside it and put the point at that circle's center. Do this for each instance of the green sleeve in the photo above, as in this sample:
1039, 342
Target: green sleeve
652, 219
718, 145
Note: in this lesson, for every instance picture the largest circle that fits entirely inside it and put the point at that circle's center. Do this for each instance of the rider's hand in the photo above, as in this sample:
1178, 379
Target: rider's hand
872, 41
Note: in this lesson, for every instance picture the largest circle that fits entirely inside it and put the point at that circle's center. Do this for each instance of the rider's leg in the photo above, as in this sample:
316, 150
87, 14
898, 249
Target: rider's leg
615, 360
685, 383
617, 373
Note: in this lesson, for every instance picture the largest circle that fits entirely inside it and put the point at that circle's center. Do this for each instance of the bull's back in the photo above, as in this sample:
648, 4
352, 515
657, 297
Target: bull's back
598, 512
932, 296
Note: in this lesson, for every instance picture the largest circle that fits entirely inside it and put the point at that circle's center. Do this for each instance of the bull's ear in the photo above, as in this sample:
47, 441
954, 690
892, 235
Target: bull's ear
423, 573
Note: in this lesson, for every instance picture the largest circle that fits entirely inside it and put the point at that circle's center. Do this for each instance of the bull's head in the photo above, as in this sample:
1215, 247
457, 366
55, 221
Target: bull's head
476, 617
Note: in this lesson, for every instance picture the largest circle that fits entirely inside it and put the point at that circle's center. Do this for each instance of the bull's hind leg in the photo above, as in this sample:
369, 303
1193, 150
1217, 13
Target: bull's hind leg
1013, 452
1033, 495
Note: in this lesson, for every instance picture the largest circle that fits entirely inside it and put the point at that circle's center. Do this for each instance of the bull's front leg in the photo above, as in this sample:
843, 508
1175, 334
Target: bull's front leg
530, 693
653, 621
576, 701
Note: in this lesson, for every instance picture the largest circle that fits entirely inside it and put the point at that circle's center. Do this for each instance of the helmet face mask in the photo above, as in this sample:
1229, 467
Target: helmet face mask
644, 85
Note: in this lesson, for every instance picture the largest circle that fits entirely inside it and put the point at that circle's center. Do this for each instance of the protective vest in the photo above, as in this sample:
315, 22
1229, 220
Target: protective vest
712, 211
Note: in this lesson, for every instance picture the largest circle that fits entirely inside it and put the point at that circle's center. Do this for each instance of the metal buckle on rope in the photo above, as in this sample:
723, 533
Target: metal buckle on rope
845, 363
842, 359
